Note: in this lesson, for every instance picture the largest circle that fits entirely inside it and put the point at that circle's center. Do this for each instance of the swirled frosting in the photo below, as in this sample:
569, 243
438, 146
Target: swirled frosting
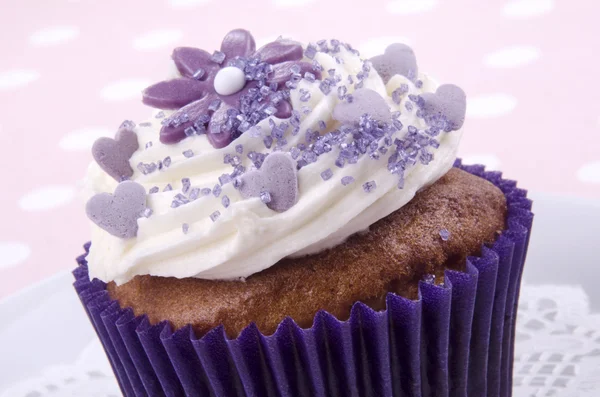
248, 236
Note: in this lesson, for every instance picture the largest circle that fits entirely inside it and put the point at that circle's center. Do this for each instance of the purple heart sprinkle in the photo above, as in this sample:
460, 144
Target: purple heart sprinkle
365, 101
446, 108
112, 155
275, 183
118, 213
397, 59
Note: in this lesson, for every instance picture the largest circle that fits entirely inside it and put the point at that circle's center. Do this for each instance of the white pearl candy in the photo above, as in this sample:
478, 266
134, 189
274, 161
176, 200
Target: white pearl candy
229, 80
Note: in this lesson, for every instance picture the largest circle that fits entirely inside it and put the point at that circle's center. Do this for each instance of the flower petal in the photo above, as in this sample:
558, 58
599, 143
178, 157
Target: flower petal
188, 60
238, 42
284, 110
280, 51
171, 134
223, 138
173, 94
282, 72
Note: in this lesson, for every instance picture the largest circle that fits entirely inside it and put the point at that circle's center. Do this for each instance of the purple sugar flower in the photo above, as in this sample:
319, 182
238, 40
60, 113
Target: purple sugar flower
244, 70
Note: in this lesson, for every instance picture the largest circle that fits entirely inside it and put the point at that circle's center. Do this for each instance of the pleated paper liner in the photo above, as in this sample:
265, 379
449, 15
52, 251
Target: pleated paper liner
457, 339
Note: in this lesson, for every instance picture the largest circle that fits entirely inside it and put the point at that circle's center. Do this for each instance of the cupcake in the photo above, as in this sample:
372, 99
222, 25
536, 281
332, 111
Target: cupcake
293, 221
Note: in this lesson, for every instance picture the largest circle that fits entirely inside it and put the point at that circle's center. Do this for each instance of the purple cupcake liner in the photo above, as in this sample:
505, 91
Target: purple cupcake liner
456, 339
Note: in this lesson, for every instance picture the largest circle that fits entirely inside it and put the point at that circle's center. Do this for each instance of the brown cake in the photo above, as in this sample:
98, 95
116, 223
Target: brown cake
396, 253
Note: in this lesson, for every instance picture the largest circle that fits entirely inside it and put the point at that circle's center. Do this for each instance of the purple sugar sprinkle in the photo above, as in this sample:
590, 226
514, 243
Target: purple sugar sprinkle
445, 234
215, 215
322, 124
310, 51
369, 186
168, 188
342, 90
305, 96
149, 145
159, 115
358, 85
160, 165
412, 129
331, 72
268, 141
225, 201
224, 179
325, 87
218, 57
235, 160
347, 180
237, 183
216, 191
397, 96
401, 182
147, 212
153, 190
175, 204
295, 69
227, 159
239, 148
265, 197
185, 182
397, 124
309, 157
408, 106
194, 194
419, 84
185, 228
205, 191
295, 152
349, 98
316, 66
128, 124
167, 161
310, 77
198, 74
189, 131
306, 109
214, 105
327, 174
188, 153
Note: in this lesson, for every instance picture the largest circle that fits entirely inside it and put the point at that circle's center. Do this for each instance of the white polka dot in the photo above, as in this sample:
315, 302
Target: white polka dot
17, 78
377, 46
409, 7
46, 198
492, 105
54, 35
512, 57
12, 253
124, 90
292, 3
187, 3
527, 8
84, 138
157, 39
589, 173
491, 161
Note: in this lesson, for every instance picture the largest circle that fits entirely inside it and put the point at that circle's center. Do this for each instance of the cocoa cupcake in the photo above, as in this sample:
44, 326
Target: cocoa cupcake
292, 221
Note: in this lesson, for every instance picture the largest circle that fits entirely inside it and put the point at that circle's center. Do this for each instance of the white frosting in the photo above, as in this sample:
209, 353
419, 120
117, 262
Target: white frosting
249, 237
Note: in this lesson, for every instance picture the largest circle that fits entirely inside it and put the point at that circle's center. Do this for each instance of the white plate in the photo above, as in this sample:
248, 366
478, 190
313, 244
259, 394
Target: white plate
560, 291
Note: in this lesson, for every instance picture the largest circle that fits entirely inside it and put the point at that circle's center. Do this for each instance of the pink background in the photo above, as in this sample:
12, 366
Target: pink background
71, 71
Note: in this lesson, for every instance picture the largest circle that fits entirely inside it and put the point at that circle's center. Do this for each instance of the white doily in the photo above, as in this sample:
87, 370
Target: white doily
89, 376
557, 355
